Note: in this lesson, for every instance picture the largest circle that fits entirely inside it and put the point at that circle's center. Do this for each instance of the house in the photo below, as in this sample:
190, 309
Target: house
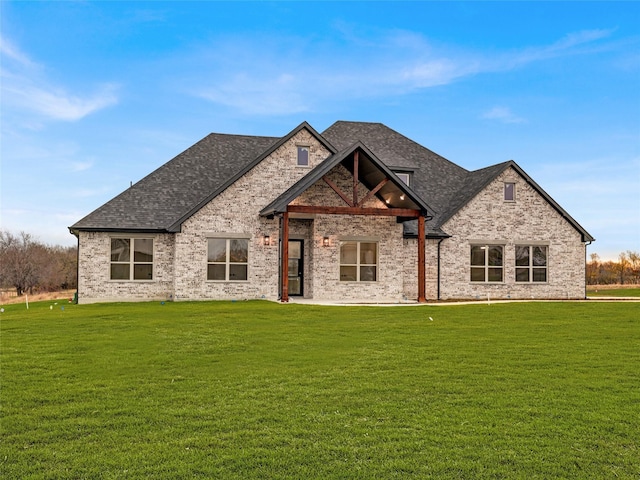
368, 214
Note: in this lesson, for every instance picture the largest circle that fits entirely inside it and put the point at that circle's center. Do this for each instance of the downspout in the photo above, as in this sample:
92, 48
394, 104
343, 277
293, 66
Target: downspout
439, 242
280, 257
77, 299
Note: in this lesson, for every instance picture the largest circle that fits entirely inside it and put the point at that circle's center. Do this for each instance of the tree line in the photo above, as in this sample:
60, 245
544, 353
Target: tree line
29, 266
625, 271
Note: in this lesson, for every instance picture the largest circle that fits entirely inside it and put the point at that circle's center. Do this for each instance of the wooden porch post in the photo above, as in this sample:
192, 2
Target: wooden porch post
285, 257
421, 261
356, 158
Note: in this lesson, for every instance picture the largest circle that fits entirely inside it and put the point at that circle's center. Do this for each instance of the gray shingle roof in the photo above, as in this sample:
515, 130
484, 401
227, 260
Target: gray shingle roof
445, 186
166, 197
156, 201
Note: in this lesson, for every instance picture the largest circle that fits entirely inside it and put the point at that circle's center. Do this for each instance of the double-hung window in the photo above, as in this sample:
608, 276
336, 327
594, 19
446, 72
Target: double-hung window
359, 261
227, 259
531, 263
487, 263
131, 258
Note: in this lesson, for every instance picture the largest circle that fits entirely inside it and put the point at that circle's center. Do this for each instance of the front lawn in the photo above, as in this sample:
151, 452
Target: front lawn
260, 390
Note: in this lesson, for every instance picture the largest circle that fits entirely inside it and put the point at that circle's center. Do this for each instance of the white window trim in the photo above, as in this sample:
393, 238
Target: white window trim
227, 262
486, 265
132, 263
358, 264
530, 267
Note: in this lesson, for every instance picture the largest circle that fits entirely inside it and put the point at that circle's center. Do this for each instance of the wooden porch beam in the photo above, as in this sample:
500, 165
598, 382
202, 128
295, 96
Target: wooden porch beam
356, 158
373, 192
421, 261
338, 191
284, 297
382, 212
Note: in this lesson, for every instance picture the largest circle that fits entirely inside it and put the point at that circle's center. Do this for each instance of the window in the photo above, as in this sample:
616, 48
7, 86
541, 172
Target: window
531, 263
131, 258
358, 262
487, 263
404, 176
227, 259
303, 156
509, 192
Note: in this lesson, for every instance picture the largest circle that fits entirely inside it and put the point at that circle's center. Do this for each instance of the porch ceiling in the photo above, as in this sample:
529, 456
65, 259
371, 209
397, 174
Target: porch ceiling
371, 172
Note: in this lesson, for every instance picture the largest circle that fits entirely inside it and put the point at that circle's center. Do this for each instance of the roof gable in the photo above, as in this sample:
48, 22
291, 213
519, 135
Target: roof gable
434, 177
478, 180
175, 227
371, 171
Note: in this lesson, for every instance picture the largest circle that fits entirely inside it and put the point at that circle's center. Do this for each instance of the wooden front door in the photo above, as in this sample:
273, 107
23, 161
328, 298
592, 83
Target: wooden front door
296, 268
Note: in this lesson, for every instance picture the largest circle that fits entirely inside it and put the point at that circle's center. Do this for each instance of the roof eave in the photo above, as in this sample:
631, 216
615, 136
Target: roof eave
77, 230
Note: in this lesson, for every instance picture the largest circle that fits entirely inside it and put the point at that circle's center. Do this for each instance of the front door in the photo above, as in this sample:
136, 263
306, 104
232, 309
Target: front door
296, 268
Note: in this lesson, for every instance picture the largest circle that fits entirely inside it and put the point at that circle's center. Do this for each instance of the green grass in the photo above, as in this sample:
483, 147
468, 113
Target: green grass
613, 292
260, 390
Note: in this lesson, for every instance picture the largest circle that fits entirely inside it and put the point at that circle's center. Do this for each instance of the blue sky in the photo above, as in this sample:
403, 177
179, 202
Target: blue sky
96, 95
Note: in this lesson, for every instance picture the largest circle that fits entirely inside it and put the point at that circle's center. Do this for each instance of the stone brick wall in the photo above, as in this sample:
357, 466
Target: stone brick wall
180, 260
236, 211
410, 268
488, 218
326, 272
94, 258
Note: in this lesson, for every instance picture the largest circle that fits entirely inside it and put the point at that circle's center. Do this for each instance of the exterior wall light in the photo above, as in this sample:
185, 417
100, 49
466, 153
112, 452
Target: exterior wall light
266, 240
325, 241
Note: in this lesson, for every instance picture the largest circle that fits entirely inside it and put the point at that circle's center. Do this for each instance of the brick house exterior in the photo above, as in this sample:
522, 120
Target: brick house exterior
370, 216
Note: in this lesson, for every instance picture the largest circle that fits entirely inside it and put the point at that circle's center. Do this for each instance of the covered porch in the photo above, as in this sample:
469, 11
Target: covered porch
353, 207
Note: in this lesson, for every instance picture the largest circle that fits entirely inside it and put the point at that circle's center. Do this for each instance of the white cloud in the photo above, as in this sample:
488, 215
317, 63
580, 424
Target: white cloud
55, 103
80, 166
247, 74
24, 88
580, 38
503, 114
10, 51
278, 95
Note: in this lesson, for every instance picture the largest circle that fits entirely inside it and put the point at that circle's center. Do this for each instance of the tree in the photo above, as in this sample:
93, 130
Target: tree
634, 265
626, 270
18, 261
622, 266
28, 265
593, 269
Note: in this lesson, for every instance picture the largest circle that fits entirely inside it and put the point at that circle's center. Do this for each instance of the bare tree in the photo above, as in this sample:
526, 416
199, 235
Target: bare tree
622, 266
625, 271
634, 265
26, 264
17, 261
